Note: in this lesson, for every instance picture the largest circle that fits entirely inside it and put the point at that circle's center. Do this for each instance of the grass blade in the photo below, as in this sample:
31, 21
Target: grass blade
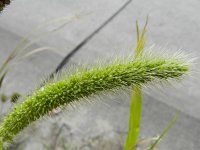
136, 100
37, 50
19, 51
134, 121
164, 132
141, 40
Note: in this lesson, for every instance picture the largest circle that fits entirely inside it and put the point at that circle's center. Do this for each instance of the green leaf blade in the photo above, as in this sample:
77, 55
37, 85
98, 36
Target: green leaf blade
164, 132
136, 100
134, 122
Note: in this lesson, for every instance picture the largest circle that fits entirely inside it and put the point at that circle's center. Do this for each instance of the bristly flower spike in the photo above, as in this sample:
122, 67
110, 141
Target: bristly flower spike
87, 83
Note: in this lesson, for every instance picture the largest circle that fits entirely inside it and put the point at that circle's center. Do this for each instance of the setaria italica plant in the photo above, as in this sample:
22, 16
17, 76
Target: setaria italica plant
83, 84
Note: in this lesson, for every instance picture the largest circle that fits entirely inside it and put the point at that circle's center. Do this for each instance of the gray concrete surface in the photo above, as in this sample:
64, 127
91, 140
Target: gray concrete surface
173, 24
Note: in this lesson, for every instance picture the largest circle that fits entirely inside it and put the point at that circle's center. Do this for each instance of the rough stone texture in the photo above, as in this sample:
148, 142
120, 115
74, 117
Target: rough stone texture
172, 23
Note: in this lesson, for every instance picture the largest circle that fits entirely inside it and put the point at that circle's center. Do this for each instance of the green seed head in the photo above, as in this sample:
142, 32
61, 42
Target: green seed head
86, 83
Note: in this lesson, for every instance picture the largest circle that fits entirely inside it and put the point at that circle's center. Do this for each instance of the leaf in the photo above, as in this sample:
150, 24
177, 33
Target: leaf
37, 50
141, 39
165, 131
136, 100
134, 121
19, 52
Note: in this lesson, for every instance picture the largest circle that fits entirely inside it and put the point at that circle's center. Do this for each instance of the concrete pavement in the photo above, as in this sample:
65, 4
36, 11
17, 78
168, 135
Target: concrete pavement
173, 24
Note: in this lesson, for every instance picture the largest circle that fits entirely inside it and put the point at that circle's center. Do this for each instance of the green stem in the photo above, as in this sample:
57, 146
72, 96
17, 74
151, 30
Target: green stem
134, 121
136, 100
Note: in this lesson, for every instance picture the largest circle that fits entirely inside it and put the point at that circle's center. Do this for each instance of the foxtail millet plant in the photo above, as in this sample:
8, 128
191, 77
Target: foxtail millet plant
84, 84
